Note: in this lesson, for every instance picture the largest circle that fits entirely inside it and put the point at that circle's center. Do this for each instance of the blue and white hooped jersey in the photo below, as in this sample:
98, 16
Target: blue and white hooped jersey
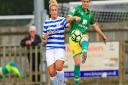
55, 30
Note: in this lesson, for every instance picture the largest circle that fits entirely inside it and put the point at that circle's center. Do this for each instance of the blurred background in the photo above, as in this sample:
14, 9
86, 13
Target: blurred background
17, 15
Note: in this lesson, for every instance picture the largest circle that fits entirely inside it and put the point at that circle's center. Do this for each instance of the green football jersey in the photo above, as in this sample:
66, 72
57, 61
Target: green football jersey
87, 19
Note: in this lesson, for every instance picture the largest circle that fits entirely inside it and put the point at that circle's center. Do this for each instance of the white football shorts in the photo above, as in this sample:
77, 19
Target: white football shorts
54, 54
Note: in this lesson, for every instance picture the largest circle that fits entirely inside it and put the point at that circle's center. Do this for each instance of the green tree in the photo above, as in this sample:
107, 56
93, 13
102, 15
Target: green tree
21, 7
16, 7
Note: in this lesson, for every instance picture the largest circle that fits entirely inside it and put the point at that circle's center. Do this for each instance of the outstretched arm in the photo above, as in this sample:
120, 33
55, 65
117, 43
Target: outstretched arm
98, 30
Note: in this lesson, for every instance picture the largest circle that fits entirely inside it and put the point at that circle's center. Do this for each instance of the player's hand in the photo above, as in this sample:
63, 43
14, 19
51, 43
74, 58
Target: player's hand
28, 42
68, 25
76, 18
45, 38
105, 39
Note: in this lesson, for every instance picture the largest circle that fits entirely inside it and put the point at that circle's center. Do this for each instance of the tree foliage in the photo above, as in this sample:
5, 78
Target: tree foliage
21, 7
16, 7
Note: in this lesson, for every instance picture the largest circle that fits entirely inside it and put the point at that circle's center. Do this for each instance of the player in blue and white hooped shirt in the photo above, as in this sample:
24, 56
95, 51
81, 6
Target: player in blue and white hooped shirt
53, 34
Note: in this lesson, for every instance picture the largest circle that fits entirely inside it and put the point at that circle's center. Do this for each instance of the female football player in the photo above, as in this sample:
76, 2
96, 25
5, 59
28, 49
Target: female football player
53, 34
81, 18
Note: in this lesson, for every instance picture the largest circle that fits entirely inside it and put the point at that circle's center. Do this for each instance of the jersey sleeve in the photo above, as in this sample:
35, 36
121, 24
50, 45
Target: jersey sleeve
44, 28
64, 22
92, 21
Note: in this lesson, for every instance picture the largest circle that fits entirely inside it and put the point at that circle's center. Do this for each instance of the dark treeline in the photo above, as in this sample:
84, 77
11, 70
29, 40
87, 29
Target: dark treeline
16, 7
21, 7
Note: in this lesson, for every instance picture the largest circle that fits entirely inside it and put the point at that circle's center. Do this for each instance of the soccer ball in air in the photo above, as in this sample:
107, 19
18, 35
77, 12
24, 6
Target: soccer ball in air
76, 35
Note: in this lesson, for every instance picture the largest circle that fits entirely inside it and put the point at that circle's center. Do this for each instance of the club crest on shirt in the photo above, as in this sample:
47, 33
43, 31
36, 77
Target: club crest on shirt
59, 25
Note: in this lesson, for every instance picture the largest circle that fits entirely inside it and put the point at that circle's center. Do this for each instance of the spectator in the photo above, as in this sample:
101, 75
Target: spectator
32, 40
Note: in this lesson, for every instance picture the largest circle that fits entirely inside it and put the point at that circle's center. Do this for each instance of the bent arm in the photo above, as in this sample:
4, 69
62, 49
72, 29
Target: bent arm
23, 42
98, 30
72, 18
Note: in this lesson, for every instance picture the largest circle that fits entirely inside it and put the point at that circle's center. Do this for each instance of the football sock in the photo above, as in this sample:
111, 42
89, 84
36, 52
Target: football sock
77, 74
60, 77
54, 80
84, 44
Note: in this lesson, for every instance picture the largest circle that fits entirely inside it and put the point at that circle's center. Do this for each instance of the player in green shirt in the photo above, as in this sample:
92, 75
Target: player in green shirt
81, 18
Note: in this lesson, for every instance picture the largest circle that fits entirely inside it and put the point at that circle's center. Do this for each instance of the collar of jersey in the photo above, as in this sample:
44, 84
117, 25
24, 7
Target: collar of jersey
54, 19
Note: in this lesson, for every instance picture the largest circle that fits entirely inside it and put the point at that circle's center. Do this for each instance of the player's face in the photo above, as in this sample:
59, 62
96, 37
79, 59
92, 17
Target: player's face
85, 4
53, 12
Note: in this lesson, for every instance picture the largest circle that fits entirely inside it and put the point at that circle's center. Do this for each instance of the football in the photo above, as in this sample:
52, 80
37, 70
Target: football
76, 35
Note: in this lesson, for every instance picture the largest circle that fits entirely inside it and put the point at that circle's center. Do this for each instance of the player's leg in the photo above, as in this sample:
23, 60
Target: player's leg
60, 54
53, 74
84, 45
12, 68
76, 51
60, 72
50, 58
77, 61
